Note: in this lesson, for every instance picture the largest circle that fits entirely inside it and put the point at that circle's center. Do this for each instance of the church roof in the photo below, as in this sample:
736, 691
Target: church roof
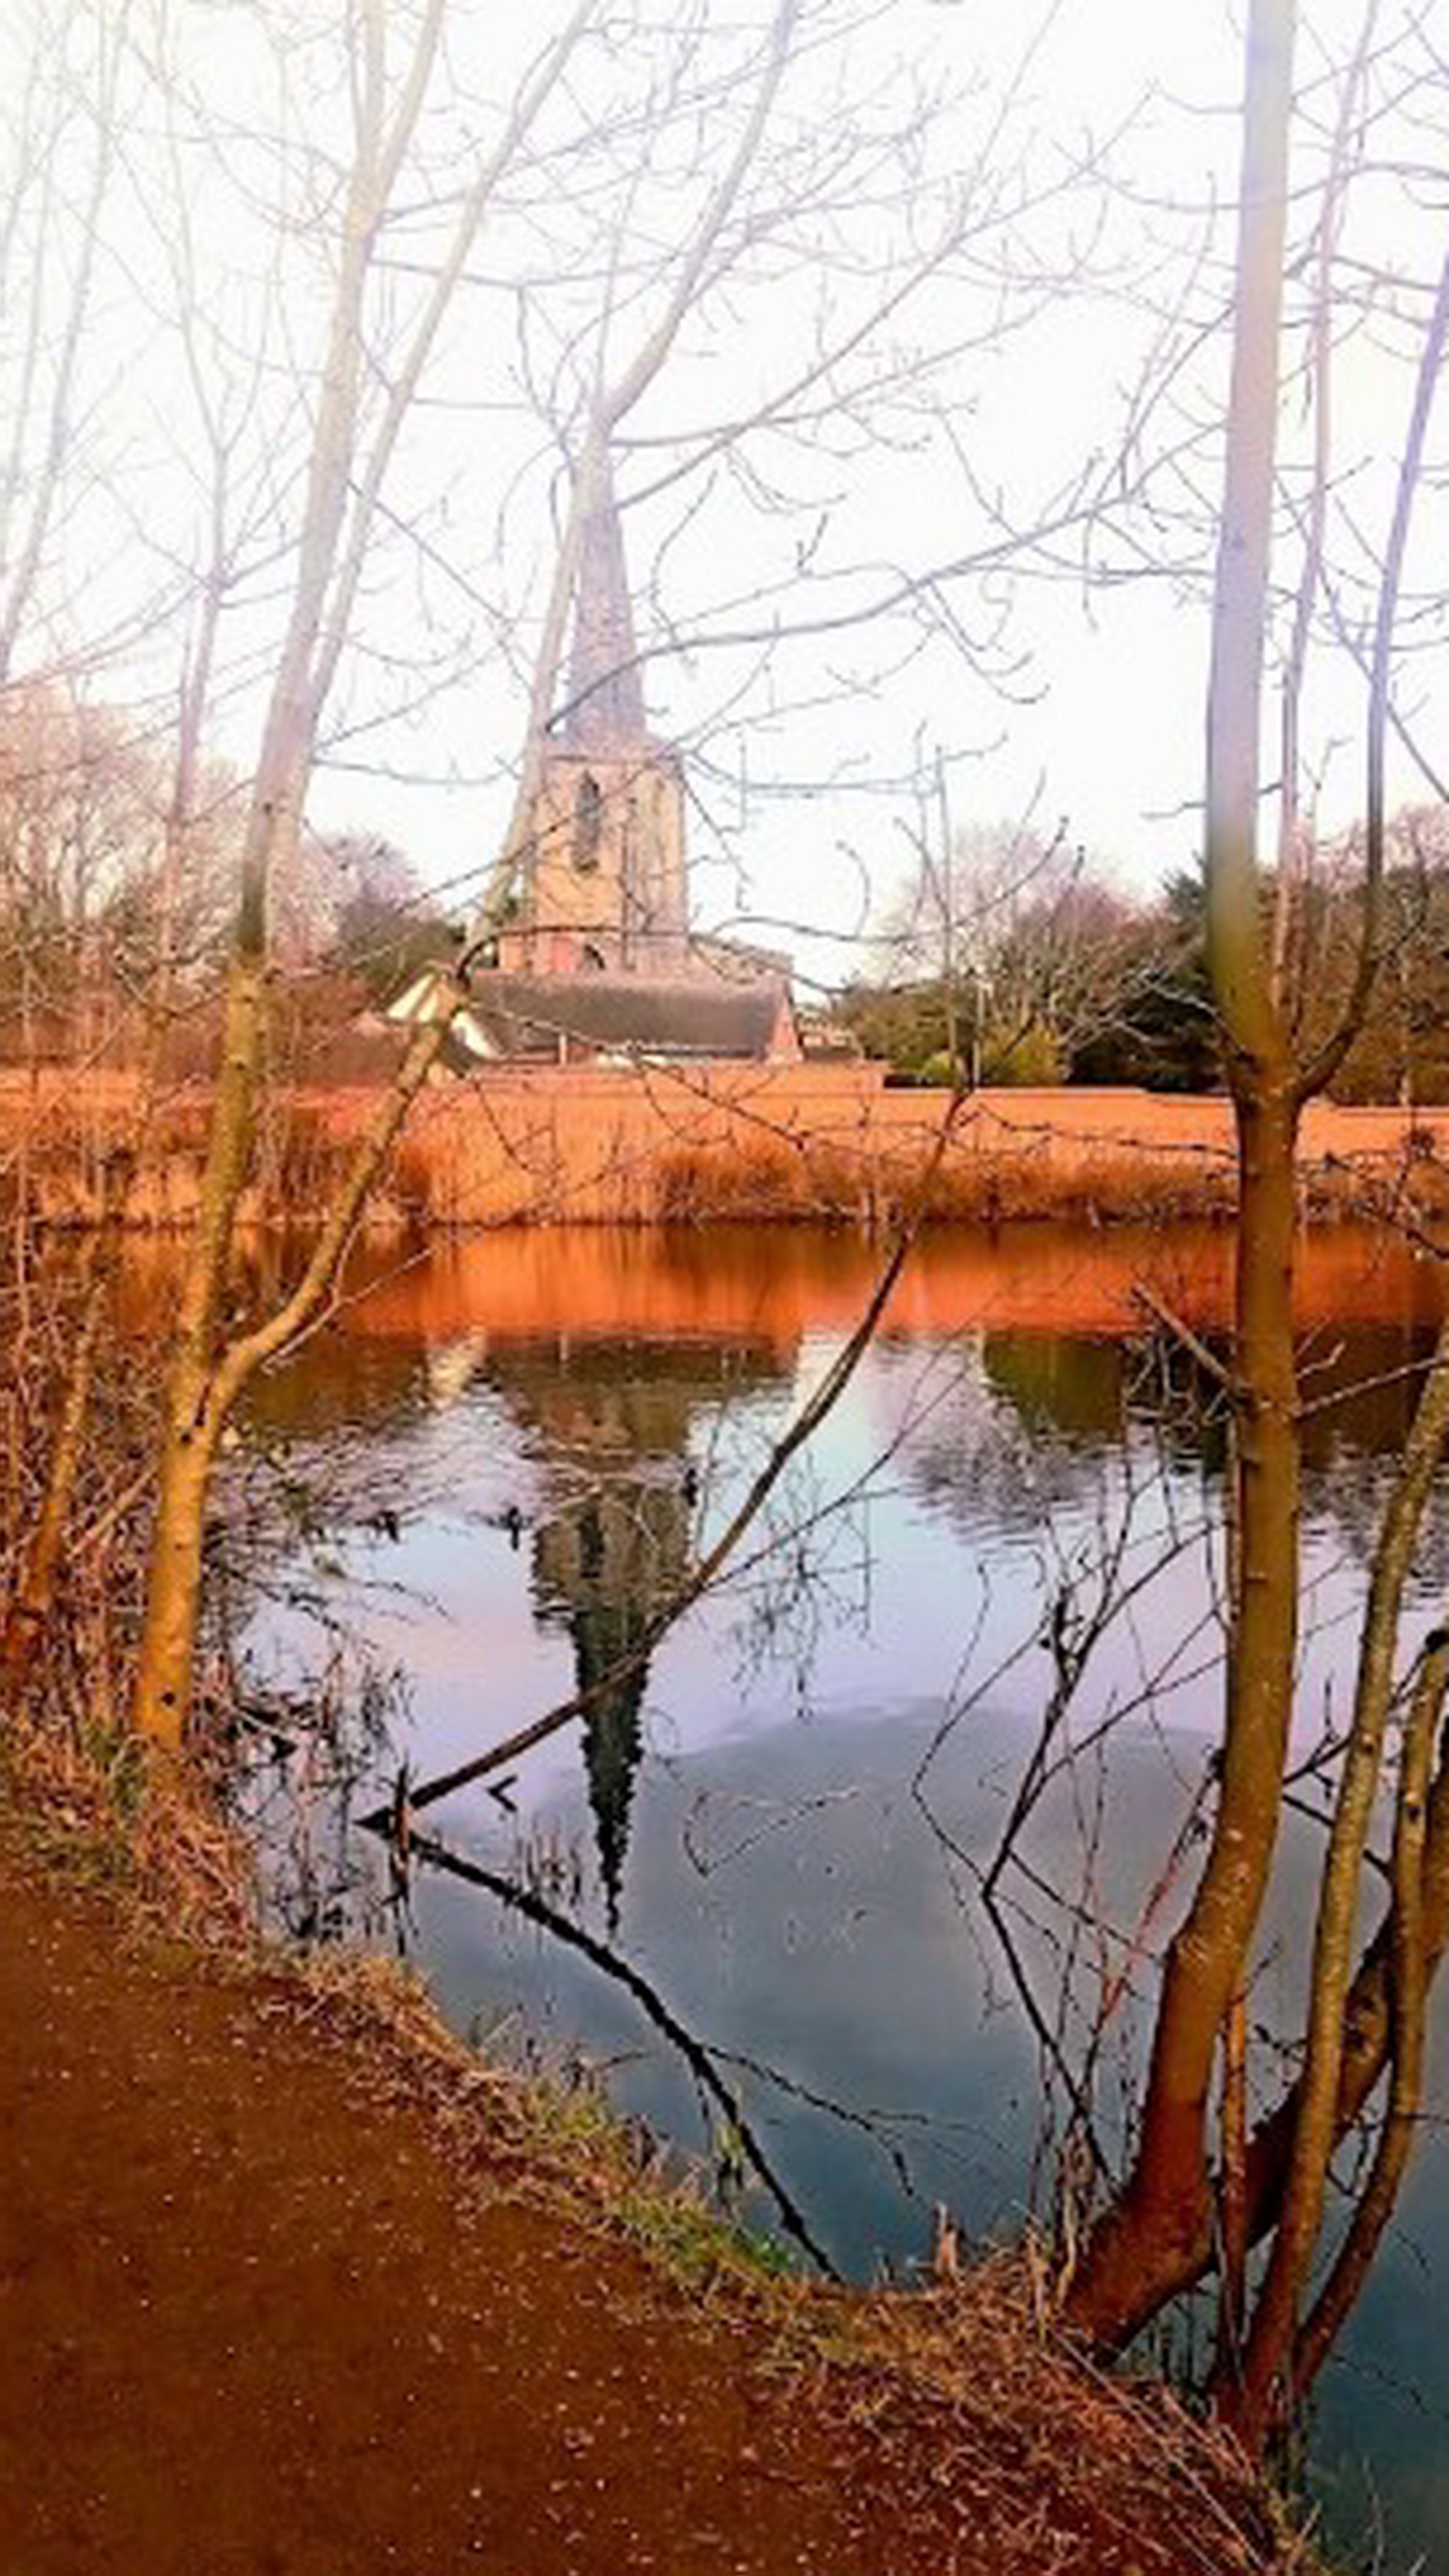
528, 1015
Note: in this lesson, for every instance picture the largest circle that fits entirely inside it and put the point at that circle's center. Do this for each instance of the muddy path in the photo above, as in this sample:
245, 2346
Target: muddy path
256, 2321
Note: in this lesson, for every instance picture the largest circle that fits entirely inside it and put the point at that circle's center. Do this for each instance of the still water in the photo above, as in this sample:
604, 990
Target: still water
750, 1890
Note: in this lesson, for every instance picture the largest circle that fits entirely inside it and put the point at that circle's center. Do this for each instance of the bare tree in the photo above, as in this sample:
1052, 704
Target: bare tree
612, 356
1029, 951
1153, 2237
66, 119
352, 447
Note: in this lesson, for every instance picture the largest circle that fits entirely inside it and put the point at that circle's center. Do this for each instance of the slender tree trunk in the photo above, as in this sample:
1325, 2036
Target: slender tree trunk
163, 1685
1369, 2044
1137, 2258
1315, 2131
163, 1675
343, 489
1233, 2192
1411, 1966
163, 1690
1138, 2251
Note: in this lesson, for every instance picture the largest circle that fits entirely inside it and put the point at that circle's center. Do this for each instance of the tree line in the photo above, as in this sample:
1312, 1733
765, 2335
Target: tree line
1036, 967
1026, 964
92, 905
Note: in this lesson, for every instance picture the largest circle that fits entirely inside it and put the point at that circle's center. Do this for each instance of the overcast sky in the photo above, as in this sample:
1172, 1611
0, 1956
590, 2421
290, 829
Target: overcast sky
1096, 142
1100, 721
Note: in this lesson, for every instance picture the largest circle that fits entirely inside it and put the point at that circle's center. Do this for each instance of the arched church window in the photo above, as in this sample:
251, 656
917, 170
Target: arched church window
588, 821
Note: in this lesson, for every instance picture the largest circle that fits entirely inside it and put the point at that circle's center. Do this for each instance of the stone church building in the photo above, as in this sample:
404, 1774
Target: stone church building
598, 960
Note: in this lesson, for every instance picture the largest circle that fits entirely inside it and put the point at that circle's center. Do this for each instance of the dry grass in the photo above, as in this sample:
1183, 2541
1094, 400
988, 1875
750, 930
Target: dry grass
1072, 2447
764, 1182
724, 1143
106, 1814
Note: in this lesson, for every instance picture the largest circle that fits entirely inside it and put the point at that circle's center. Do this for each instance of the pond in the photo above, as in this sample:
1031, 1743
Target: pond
750, 1890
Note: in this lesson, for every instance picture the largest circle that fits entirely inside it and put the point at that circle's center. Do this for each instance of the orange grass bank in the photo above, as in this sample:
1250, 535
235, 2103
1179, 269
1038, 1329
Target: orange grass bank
677, 1144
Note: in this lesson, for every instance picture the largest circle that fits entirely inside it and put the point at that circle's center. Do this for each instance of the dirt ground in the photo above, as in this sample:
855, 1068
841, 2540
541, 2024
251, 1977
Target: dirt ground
254, 2323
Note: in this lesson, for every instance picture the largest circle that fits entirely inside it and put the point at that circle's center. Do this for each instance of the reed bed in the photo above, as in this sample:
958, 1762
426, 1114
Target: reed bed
768, 1145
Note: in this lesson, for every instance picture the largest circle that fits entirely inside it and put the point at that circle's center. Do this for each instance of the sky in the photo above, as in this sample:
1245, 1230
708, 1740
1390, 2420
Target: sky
1091, 151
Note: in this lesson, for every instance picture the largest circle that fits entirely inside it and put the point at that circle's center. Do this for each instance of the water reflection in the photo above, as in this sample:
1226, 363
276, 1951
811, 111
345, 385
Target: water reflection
610, 1426
750, 1283
1075, 1386
739, 2143
794, 1848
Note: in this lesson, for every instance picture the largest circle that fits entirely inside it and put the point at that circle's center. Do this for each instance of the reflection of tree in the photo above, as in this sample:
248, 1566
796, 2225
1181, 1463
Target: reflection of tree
342, 1384
698, 2058
609, 1426
1075, 1398
1018, 1430
1069, 1383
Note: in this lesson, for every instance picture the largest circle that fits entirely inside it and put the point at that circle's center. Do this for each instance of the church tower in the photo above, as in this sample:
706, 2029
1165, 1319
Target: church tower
603, 886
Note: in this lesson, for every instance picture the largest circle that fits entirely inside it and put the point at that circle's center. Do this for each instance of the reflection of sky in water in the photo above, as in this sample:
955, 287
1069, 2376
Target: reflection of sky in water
778, 1881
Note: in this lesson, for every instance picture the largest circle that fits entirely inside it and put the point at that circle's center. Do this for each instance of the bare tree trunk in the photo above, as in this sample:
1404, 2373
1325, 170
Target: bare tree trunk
1233, 2195
1137, 2252
1136, 2259
1412, 1959
1288, 925
1156, 2239
163, 1680
1369, 2017
1316, 2131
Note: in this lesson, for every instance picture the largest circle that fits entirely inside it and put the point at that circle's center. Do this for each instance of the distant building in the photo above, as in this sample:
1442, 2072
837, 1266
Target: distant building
826, 1038
598, 961
604, 888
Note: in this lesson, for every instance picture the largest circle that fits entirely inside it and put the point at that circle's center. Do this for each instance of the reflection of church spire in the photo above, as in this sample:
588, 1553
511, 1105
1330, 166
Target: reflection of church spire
609, 1425
605, 709
602, 1569
603, 1634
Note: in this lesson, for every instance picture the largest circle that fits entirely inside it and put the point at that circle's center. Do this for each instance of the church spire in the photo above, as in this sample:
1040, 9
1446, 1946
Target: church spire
605, 709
